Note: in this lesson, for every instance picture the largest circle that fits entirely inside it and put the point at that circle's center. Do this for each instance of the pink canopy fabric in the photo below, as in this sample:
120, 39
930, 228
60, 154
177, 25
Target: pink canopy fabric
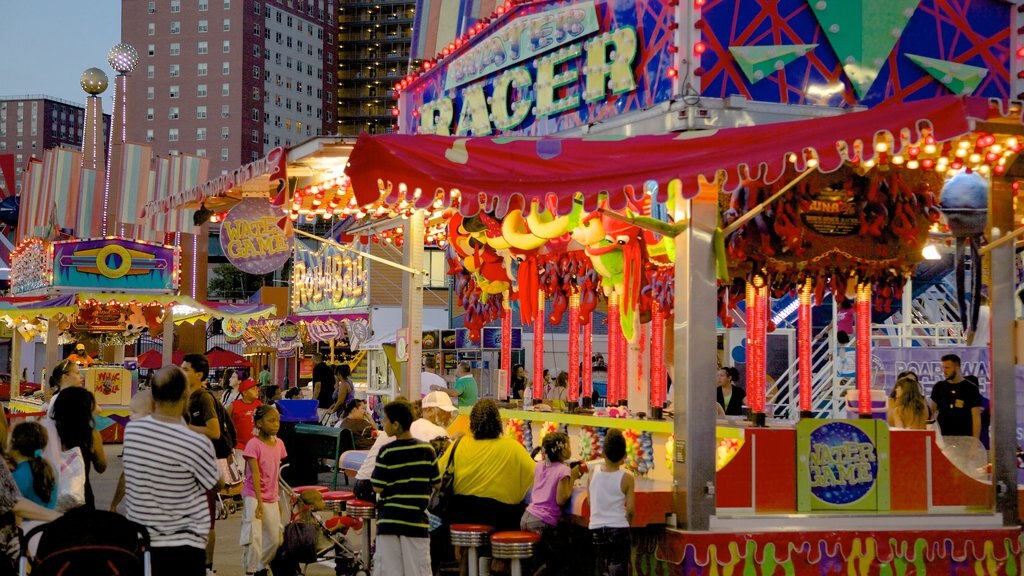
221, 358
492, 173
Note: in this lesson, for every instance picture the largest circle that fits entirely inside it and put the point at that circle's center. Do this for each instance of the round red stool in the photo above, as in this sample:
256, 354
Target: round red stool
301, 489
514, 546
364, 511
334, 500
471, 536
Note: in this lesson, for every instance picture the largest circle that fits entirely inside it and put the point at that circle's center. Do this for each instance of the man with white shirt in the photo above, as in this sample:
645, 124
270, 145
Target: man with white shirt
438, 412
430, 378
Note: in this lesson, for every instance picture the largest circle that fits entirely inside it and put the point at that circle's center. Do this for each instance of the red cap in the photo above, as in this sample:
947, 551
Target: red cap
246, 384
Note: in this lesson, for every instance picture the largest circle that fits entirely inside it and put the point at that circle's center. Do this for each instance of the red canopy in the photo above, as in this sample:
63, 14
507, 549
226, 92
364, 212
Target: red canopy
153, 359
491, 172
221, 358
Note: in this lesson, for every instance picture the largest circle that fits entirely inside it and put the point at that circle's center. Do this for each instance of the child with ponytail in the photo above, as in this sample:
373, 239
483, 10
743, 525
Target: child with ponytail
34, 475
261, 523
552, 488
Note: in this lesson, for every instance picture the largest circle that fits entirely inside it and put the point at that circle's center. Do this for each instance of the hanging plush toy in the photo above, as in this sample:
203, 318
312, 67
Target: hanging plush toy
964, 201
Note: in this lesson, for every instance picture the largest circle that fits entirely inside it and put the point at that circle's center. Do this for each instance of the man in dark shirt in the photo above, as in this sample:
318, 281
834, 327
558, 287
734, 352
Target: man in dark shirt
403, 478
323, 385
957, 400
201, 416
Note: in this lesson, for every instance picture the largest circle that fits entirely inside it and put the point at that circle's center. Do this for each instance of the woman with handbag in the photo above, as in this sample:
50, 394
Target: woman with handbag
73, 416
492, 474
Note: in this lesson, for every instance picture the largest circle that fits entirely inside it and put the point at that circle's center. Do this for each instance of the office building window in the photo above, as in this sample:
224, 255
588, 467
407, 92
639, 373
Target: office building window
151, 29
175, 49
225, 68
175, 70
255, 93
256, 72
150, 94
149, 113
255, 136
150, 71
200, 112
151, 8
225, 111
225, 89
175, 27
224, 154
204, 5
175, 6
174, 91
204, 47
227, 46
172, 135
149, 135
256, 8
227, 5
201, 90
200, 134
227, 24
225, 133
201, 69
151, 50
204, 26
201, 152
172, 113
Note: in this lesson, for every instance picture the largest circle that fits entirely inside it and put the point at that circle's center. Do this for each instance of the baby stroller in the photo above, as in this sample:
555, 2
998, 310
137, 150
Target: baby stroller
86, 542
229, 497
313, 535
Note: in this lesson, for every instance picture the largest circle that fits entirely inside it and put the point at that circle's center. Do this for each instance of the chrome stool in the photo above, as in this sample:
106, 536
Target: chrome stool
514, 546
471, 537
334, 500
365, 511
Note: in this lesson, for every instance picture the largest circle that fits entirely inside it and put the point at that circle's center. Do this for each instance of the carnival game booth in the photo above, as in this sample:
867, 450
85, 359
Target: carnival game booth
841, 205
104, 293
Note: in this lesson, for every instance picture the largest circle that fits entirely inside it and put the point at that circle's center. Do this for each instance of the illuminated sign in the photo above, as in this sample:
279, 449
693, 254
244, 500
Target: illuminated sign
252, 239
843, 465
328, 279
115, 264
31, 266
547, 71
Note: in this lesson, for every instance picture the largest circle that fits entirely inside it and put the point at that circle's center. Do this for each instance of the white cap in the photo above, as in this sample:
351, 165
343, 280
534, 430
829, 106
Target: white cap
438, 399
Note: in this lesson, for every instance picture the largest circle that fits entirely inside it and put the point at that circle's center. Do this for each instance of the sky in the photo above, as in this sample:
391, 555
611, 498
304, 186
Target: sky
47, 44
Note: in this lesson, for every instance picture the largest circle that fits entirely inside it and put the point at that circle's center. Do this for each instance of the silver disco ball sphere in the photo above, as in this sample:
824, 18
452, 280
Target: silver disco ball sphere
94, 81
123, 58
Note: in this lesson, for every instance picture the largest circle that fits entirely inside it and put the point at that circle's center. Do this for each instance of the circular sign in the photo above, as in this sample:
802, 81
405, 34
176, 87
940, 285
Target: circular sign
287, 332
233, 329
252, 239
843, 463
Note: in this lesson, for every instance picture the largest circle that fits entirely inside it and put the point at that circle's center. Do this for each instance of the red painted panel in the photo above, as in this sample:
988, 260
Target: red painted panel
733, 483
775, 469
908, 469
951, 487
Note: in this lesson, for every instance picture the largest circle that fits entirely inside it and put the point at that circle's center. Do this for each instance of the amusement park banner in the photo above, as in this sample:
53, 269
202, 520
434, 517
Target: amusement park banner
926, 362
328, 280
114, 264
547, 71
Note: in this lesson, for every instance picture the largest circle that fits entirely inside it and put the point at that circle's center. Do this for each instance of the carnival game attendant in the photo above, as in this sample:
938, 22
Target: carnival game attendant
80, 356
731, 397
465, 387
957, 401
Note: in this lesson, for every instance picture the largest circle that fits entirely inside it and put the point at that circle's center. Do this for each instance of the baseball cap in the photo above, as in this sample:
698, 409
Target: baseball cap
246, 384
438, 399
80, 348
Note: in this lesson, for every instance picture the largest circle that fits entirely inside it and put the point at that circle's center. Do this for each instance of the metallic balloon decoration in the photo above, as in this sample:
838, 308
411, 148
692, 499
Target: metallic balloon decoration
964, 202
123, 58
94, 81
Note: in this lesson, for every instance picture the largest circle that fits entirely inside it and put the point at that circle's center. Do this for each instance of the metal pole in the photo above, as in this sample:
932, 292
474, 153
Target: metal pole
167, 346
695, 359
1003, 401
412, 302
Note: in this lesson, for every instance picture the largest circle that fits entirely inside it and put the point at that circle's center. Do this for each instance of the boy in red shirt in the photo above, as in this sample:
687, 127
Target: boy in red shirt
242, 411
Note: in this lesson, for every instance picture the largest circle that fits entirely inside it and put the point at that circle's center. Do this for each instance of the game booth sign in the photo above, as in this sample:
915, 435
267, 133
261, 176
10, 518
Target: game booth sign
660, 225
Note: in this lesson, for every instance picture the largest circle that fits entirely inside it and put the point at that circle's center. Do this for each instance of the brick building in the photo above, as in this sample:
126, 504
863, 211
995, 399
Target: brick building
31, 124
230, 79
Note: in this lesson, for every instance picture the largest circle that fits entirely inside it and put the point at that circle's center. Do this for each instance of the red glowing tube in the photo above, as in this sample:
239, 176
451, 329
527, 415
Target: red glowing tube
614, 329
803, 343
863, 327
538, 349
757, 295
574, 348
588, 350
658, 384
506, 348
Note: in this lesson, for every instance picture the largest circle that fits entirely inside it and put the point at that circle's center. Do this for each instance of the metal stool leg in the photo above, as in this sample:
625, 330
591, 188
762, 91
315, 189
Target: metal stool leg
365, 552
473, 568
517, 568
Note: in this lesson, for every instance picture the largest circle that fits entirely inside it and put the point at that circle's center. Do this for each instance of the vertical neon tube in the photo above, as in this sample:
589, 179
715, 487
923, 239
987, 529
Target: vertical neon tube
588, 351
803, 343
658, 383
863, 327
757, 295
614, 329
506, 346
538, 349
574, 348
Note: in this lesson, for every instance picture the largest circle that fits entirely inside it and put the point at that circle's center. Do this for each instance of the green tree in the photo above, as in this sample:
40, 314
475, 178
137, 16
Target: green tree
230, 283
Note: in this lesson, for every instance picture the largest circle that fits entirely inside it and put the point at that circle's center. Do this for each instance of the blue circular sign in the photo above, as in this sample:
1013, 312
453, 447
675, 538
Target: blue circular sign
843, 463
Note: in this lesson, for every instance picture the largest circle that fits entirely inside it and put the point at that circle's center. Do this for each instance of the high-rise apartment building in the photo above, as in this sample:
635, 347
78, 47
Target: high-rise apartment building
31, 124
230, 79
374, 39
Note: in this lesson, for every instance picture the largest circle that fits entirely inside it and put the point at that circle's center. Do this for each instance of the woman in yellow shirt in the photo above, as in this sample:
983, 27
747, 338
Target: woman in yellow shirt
493, 473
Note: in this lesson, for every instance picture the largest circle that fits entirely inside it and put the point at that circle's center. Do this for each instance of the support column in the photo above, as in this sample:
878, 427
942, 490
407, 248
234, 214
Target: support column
695, 357
52, 348
167, 346
412, 303
1002, 397
15, 363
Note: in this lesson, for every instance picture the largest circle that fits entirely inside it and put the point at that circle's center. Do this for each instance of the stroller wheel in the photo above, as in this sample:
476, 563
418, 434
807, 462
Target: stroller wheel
230, 507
